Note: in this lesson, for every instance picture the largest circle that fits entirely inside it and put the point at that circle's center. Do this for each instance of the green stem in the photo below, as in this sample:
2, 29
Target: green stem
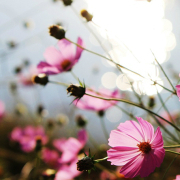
173, 146
106, 134
164, 72
172, 152
97, 54
169, 167
60, 83
134, 104
99, 160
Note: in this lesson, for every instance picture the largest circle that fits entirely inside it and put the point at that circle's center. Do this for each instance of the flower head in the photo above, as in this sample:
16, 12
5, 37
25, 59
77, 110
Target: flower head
58, 61
177, 177
91, 103
136, 148
57, 31
29, 137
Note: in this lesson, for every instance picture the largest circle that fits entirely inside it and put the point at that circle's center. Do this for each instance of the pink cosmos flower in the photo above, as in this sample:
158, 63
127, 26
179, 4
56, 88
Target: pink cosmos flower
178, 91
25, 78
61, 60
28, 137
177, 177
70, 147
68, 172
2, 109
50, 157
136, 148
90, 103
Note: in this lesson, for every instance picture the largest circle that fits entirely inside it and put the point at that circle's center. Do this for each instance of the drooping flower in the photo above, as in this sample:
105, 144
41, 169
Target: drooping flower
70, 147
58, 61
2, 109
95, 104
29, 137
177, 177
136, 148
178, 91
25, 77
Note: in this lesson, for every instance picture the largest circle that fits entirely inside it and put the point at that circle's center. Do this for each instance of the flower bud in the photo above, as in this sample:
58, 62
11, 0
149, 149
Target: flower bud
18, 69
80, 120
67, 2
101, 113
57, 32
86, 15
40, 79
151, 102
77, 91
85, 164
38, 143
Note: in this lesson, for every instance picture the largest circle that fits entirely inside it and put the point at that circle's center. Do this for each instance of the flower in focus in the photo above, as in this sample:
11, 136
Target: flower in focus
177, 177
58, 61
178, 91
29, 138
2, 109
136, 148
95, 104
25, 78
70, 147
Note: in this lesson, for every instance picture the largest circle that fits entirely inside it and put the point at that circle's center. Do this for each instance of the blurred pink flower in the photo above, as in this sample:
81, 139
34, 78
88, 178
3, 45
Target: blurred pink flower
136, 148
90, 103
25, 78
177, 177
50, 157
165, 115
70, 147
2, 110
61, 60
28, 136
68, 172
178, 91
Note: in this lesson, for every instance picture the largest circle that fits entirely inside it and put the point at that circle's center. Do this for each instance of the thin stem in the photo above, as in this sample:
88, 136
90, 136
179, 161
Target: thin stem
134, 104
164, 72
60, 83
116, 64
172, 146
106, 134
99, 160
169, 167
172, 152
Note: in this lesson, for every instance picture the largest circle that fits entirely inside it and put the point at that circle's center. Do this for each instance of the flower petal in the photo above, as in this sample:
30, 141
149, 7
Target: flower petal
118, 138
178, 91
47, 68
78, 49
53, 56
133, 167
67, 49
82, 136
121, 155
157, 141
132, 129
147, 129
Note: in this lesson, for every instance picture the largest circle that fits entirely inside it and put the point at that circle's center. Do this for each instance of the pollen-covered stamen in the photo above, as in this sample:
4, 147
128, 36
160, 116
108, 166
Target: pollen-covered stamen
65, 64
145, 147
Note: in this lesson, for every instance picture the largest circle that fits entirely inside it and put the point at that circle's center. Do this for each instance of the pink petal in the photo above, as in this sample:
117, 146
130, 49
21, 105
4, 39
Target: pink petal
78, 49
53, 56
46, 68
158, 155
67, 156
132, 129
82, 136
118, 138
178, 91
59, 144
147, 129
16, 134
157, 141
121, 155
133, 167
67, 49
177, 177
